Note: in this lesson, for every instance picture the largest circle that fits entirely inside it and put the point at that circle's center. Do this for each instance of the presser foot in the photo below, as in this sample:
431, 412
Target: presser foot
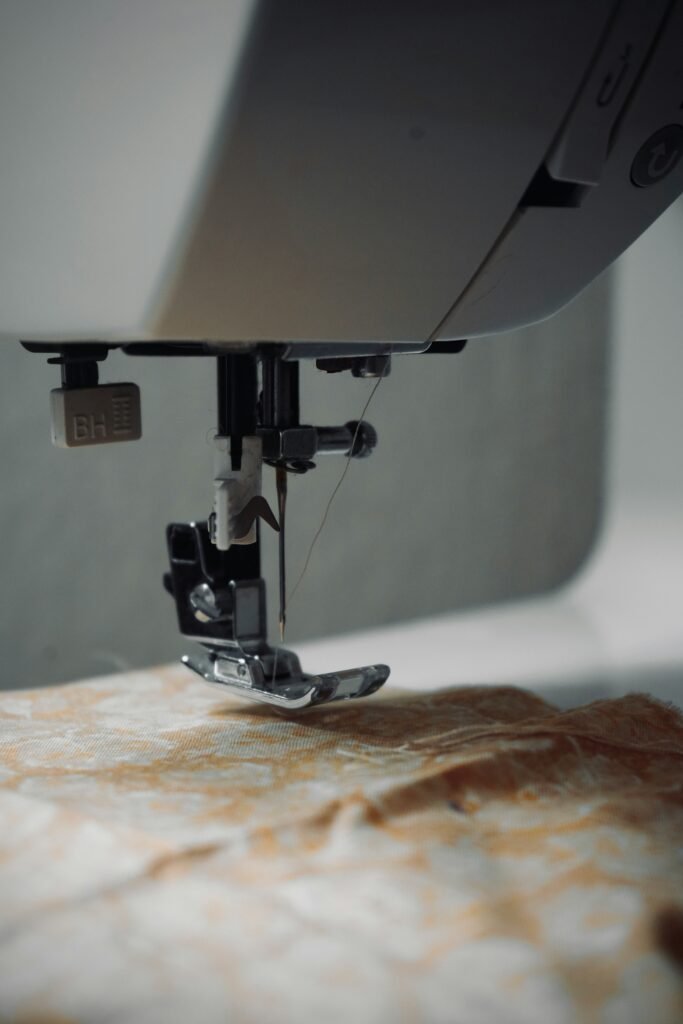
275, 677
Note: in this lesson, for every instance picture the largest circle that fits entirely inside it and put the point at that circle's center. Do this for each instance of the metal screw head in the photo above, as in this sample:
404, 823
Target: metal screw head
365, 438
203, 603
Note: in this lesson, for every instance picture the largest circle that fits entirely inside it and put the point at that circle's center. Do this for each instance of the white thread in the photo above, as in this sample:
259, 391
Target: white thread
325, 515
334, 493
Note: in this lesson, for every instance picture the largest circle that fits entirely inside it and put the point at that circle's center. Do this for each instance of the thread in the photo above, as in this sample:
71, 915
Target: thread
334, 493
326, 513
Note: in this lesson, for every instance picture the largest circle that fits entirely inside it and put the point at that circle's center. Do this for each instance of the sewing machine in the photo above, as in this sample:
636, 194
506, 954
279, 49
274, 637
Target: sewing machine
264, 182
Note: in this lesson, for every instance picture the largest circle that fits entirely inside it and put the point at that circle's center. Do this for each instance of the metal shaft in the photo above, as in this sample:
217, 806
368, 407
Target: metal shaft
237, 397
281, 484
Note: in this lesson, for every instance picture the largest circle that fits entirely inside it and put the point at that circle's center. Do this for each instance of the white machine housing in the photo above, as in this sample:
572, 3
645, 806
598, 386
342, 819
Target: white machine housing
347, 171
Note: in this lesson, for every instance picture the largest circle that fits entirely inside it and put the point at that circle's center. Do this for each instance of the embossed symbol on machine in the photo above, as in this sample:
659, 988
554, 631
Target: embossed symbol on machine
102, 414
609, 86
658, 156
123, 414
88, 428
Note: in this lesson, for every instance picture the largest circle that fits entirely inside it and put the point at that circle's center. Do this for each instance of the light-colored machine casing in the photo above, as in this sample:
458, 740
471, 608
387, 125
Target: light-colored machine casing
291, 170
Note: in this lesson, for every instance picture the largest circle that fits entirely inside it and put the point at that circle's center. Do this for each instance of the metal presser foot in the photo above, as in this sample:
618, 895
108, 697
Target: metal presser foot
275, 677
226, 615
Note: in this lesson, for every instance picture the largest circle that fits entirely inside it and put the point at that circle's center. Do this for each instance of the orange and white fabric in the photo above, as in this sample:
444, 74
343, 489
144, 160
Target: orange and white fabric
168, 853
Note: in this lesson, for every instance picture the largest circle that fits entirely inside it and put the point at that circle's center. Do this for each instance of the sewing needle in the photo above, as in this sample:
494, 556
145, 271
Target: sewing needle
281, 485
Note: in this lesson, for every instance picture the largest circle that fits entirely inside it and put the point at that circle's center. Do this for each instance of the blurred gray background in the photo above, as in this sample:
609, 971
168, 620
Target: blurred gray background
486, 485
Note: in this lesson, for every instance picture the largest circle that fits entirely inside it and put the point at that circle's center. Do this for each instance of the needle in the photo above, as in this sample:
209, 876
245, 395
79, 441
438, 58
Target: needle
281, 485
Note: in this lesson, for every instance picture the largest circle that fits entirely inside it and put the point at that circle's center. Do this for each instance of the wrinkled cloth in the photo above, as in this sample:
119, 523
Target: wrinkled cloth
169, 853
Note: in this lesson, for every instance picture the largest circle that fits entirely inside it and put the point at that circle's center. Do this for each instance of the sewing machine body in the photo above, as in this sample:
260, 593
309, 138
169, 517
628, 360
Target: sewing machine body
239, 171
